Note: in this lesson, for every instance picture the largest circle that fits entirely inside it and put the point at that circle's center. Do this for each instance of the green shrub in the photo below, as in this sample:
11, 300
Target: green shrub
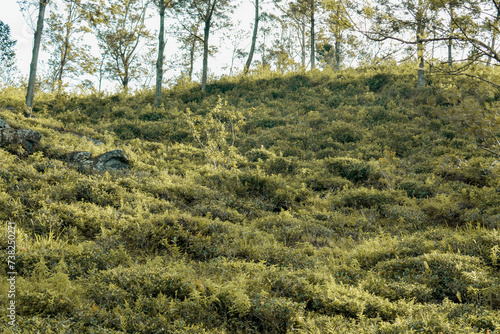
367, 198
352, 169
417, 189
257, 154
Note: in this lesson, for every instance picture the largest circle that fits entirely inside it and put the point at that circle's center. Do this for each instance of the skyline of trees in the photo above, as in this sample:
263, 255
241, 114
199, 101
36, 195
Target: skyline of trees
282, 34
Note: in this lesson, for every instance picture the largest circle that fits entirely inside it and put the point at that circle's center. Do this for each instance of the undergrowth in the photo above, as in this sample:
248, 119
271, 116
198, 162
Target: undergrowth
318, 202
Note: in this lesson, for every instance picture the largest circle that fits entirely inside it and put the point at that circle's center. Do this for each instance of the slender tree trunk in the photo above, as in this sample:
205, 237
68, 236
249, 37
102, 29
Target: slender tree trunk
191, 59
66, 49
432, 52
313, 55
450, 50
488, 62
450, 40
34, 57
101, 74
63, 61
159, 61
125, 79
303, 46
254, 38
493, 38
337, 52
206, 35
420, 50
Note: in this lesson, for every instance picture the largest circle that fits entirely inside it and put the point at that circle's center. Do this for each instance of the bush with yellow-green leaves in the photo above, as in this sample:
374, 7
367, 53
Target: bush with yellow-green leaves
309, 202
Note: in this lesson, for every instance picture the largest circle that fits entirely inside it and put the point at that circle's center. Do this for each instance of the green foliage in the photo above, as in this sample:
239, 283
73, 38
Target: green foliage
341, 203
7, 54
352, 169
216, 133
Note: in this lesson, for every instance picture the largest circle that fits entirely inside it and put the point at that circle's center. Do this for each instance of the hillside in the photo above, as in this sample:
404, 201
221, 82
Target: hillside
317, 202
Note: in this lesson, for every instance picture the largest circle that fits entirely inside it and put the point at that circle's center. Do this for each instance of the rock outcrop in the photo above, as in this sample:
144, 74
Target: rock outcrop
112, 160
4, 125
115, 159
28, 139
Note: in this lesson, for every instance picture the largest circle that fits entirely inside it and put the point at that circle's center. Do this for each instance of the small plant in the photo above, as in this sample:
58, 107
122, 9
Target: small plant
216, 133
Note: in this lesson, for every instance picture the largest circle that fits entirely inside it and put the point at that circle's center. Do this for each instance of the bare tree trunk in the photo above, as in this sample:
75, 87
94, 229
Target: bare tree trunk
488, 62
337, 52
450, 40
125, 78
493, 38
450, 49
101, 74
303, 46
420, 50
313, 56
161, 48
191, 59
254, 38
34, 57
63, 61
205, 55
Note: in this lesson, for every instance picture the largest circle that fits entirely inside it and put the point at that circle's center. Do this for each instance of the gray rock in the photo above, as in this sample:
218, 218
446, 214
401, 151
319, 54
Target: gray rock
95, 141
3, 124
115, 159
112, 160
27, 138
77, 157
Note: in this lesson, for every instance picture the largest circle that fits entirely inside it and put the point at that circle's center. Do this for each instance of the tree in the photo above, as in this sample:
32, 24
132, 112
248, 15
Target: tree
297, 14
7, 54
30, 94
337, 22
68, 54
254, 37
395, 20
301, 13
188, 33
236, 39
492, 25
266, 29
210, 13
162, 5
313, 40
119, 28
480, 18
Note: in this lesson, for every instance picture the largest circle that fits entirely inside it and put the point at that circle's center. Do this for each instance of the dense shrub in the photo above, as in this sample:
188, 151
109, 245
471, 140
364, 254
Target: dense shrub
352, 169
349, 202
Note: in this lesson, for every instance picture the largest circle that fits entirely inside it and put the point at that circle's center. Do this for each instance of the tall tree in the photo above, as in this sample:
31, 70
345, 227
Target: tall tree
30, 94
485, 15
119, 28
254, 37
313, 40
162, 5
7, 54
210, 13
396, 20
296, 14
235, 40
337, 23
68, 55
302, 13
493, 27
189, 35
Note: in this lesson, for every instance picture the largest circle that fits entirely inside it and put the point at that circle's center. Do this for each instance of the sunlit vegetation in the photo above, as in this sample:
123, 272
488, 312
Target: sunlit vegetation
311, 202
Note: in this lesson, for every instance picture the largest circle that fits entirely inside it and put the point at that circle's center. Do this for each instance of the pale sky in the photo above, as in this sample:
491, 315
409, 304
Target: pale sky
20, 31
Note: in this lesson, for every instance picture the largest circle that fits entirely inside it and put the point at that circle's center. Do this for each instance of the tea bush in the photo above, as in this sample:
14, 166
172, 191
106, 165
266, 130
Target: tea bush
311, 202
351, 169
